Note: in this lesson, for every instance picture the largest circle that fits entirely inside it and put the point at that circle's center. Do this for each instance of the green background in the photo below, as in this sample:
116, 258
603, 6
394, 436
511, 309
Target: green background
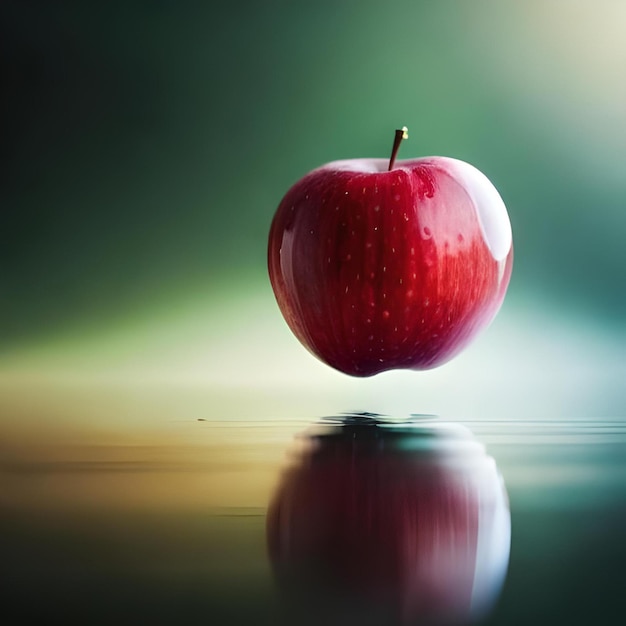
147, 144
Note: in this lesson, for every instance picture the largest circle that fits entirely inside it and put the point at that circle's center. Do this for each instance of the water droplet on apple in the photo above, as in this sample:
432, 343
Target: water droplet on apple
386, 315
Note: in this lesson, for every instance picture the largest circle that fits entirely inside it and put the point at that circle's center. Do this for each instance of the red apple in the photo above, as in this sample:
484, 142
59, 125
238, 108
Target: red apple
389, 524
382, 265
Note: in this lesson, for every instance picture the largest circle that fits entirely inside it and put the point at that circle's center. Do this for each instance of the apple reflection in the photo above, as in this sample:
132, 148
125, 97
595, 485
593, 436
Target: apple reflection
376, 521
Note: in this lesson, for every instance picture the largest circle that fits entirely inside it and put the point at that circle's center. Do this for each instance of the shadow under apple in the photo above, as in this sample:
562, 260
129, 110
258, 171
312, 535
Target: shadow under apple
379, 521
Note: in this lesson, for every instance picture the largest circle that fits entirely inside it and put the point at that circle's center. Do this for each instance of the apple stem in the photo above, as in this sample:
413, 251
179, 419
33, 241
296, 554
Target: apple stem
401, 133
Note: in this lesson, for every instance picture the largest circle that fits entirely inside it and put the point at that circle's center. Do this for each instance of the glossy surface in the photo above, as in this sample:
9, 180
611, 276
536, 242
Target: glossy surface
407, 522
168, 526
377, 270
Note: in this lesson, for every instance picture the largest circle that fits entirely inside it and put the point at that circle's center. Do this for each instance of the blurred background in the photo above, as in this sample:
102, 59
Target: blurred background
148, 383
147, 145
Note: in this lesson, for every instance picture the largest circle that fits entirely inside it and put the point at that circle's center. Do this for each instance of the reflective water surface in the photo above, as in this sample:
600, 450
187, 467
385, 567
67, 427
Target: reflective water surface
358, 519
389, 522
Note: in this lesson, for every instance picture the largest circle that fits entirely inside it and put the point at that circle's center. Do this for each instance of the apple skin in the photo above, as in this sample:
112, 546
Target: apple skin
378, 524
376, 270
